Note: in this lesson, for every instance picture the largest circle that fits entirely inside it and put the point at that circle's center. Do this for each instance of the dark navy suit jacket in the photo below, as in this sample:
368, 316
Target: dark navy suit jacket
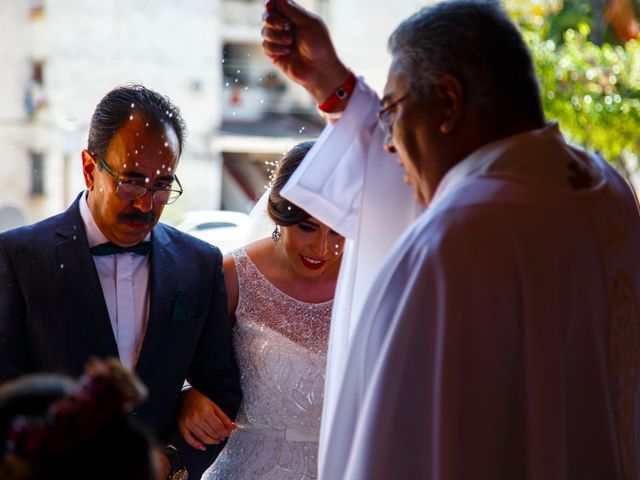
53, 317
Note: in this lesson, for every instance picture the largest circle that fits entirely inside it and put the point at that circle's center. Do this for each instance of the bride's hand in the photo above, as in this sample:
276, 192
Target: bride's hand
200, 421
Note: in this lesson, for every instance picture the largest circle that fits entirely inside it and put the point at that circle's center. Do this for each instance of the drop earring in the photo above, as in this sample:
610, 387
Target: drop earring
276, 235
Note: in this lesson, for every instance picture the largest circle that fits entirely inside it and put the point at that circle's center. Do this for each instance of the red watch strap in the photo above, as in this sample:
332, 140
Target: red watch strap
340, 94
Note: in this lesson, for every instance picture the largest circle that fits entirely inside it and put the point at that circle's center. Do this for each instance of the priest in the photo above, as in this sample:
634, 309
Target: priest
498, 335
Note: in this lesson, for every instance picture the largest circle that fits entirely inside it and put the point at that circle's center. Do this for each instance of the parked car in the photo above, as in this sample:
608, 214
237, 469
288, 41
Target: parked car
223, 228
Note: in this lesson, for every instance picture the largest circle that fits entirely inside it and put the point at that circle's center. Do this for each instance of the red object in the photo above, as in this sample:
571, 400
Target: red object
342, 92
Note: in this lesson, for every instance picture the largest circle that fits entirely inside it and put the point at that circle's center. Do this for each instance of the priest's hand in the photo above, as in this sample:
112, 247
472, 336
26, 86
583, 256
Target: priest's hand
299, 44
200, 421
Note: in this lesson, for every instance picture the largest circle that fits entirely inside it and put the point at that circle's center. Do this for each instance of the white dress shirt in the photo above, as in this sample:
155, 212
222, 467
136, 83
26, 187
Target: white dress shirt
125, 285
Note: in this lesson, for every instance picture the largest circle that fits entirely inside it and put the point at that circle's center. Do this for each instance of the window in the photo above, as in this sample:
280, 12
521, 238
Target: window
35, 98
255, 89
37, 173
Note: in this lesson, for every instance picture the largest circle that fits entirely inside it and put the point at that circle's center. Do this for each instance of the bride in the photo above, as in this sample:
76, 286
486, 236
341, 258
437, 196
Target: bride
280, 294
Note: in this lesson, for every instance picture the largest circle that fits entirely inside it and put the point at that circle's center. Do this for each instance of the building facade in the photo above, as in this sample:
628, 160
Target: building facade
61, 56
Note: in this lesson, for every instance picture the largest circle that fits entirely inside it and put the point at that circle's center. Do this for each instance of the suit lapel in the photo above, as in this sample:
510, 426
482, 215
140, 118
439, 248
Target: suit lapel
80, 271
163, 282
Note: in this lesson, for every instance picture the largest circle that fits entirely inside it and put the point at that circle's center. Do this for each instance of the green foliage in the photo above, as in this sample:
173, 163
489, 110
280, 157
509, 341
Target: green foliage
593, 91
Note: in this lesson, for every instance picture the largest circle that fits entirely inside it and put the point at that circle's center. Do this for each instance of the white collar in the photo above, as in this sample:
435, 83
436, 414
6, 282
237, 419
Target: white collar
94, 235
541, 154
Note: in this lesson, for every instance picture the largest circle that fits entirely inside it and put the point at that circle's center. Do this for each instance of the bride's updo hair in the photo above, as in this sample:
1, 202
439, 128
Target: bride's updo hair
280, 210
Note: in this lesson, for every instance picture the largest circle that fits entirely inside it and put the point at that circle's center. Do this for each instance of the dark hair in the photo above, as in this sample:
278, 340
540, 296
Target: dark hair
53, 427
280, 210
119, 104
30, 396
475, 41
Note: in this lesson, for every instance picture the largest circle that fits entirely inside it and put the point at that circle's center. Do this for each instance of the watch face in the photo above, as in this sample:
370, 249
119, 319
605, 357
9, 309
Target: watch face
181, 474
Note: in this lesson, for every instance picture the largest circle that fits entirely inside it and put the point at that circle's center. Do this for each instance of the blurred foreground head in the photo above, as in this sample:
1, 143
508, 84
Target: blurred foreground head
53, 427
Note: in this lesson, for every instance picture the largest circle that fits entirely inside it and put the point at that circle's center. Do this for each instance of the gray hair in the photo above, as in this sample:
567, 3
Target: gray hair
474, 41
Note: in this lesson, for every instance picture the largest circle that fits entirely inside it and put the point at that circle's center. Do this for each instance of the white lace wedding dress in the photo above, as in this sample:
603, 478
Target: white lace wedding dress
281, 346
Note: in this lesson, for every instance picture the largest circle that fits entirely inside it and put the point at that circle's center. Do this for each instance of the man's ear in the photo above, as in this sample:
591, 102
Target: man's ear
449, 92
88, 168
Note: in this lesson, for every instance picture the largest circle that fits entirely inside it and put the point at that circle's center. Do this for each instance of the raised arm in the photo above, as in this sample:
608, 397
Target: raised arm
299, 44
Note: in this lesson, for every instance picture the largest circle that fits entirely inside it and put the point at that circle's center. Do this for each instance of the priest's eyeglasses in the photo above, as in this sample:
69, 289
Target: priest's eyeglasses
129, 190
385, 118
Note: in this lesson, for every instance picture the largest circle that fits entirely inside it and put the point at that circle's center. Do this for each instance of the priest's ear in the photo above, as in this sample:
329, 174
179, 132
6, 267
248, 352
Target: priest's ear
450, 93
89, 165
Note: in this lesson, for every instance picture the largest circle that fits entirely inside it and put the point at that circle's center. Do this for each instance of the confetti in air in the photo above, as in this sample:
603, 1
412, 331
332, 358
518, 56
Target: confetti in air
272, 166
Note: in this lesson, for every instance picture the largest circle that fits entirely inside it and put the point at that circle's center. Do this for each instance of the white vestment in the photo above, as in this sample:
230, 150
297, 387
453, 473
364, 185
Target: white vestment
501, 337
358, 189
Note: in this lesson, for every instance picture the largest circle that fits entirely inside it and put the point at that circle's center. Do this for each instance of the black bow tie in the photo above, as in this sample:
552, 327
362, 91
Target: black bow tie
109, 248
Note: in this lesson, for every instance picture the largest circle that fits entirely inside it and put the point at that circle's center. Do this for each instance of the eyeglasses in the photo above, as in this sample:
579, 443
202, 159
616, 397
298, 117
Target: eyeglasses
384, 116
128, 190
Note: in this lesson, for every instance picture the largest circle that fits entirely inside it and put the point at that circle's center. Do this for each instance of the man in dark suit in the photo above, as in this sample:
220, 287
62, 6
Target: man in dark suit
105, 279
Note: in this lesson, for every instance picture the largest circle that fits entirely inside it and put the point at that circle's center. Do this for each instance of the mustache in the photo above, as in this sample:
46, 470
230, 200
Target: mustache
137, 217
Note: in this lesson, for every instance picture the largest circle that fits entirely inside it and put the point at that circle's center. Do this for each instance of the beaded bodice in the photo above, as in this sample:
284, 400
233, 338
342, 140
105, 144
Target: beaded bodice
281, 346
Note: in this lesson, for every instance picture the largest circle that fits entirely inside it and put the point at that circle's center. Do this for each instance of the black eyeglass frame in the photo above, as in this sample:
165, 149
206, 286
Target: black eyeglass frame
140, 190
384, 116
